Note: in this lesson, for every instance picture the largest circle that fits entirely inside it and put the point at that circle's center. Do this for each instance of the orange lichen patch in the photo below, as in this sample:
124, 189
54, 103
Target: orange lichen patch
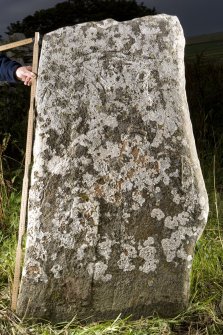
130, 173
32, 269
123, 145
87, 215
126, 252
102, 180
141, 159
98, 190
118, 197
119, 184
157, 166
135, 153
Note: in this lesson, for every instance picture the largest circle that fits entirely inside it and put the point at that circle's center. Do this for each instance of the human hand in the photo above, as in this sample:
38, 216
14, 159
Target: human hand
25, 74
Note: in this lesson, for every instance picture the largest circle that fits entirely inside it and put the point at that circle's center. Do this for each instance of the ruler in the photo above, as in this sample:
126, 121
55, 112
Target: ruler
25, 186
16, 44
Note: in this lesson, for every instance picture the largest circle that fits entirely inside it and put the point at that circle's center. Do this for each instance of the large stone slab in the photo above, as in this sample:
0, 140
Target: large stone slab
117, 199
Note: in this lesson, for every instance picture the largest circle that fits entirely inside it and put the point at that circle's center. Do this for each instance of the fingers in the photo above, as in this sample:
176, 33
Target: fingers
28, 81
25, 74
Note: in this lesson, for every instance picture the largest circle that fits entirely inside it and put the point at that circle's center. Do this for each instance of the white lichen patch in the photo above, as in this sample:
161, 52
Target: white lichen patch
103, 120
34, 272
138, 198
81, 252
204, 209
56, 270
157, 213
105, 247
180, 219
148, 252
100, 269
181, 253
173, 246
176, 196
53, 256
127, 256
58, 165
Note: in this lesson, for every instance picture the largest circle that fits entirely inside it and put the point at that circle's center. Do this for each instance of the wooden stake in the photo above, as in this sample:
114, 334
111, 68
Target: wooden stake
16, 44
25, 186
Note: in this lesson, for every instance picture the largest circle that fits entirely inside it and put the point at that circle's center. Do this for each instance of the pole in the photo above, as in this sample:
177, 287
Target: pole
25, 186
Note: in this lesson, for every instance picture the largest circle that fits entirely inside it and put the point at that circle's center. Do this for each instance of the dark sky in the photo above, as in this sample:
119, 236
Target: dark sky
196, 16
16, 10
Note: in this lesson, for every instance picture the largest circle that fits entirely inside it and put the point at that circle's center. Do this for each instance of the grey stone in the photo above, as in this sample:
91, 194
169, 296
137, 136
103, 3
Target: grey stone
117, 199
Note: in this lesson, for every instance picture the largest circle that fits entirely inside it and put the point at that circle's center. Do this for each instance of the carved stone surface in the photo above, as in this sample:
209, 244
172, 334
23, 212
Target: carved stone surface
117, 198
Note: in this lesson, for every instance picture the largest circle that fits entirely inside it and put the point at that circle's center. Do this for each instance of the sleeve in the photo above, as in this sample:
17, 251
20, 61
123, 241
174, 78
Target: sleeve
8, 68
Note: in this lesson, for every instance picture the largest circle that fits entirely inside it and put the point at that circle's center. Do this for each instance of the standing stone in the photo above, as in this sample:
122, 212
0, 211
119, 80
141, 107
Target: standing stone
117, 198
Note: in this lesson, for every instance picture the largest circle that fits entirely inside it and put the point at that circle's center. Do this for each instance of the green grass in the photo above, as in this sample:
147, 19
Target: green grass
211, 51
203, 316
209, 47
205, 38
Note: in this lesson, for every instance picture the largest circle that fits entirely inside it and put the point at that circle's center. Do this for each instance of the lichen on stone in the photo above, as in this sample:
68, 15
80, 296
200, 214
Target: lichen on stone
117, 198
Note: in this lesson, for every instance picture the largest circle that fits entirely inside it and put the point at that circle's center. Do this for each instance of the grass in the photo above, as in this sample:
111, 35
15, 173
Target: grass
203, 316
209, 46
210, 50
198, 319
